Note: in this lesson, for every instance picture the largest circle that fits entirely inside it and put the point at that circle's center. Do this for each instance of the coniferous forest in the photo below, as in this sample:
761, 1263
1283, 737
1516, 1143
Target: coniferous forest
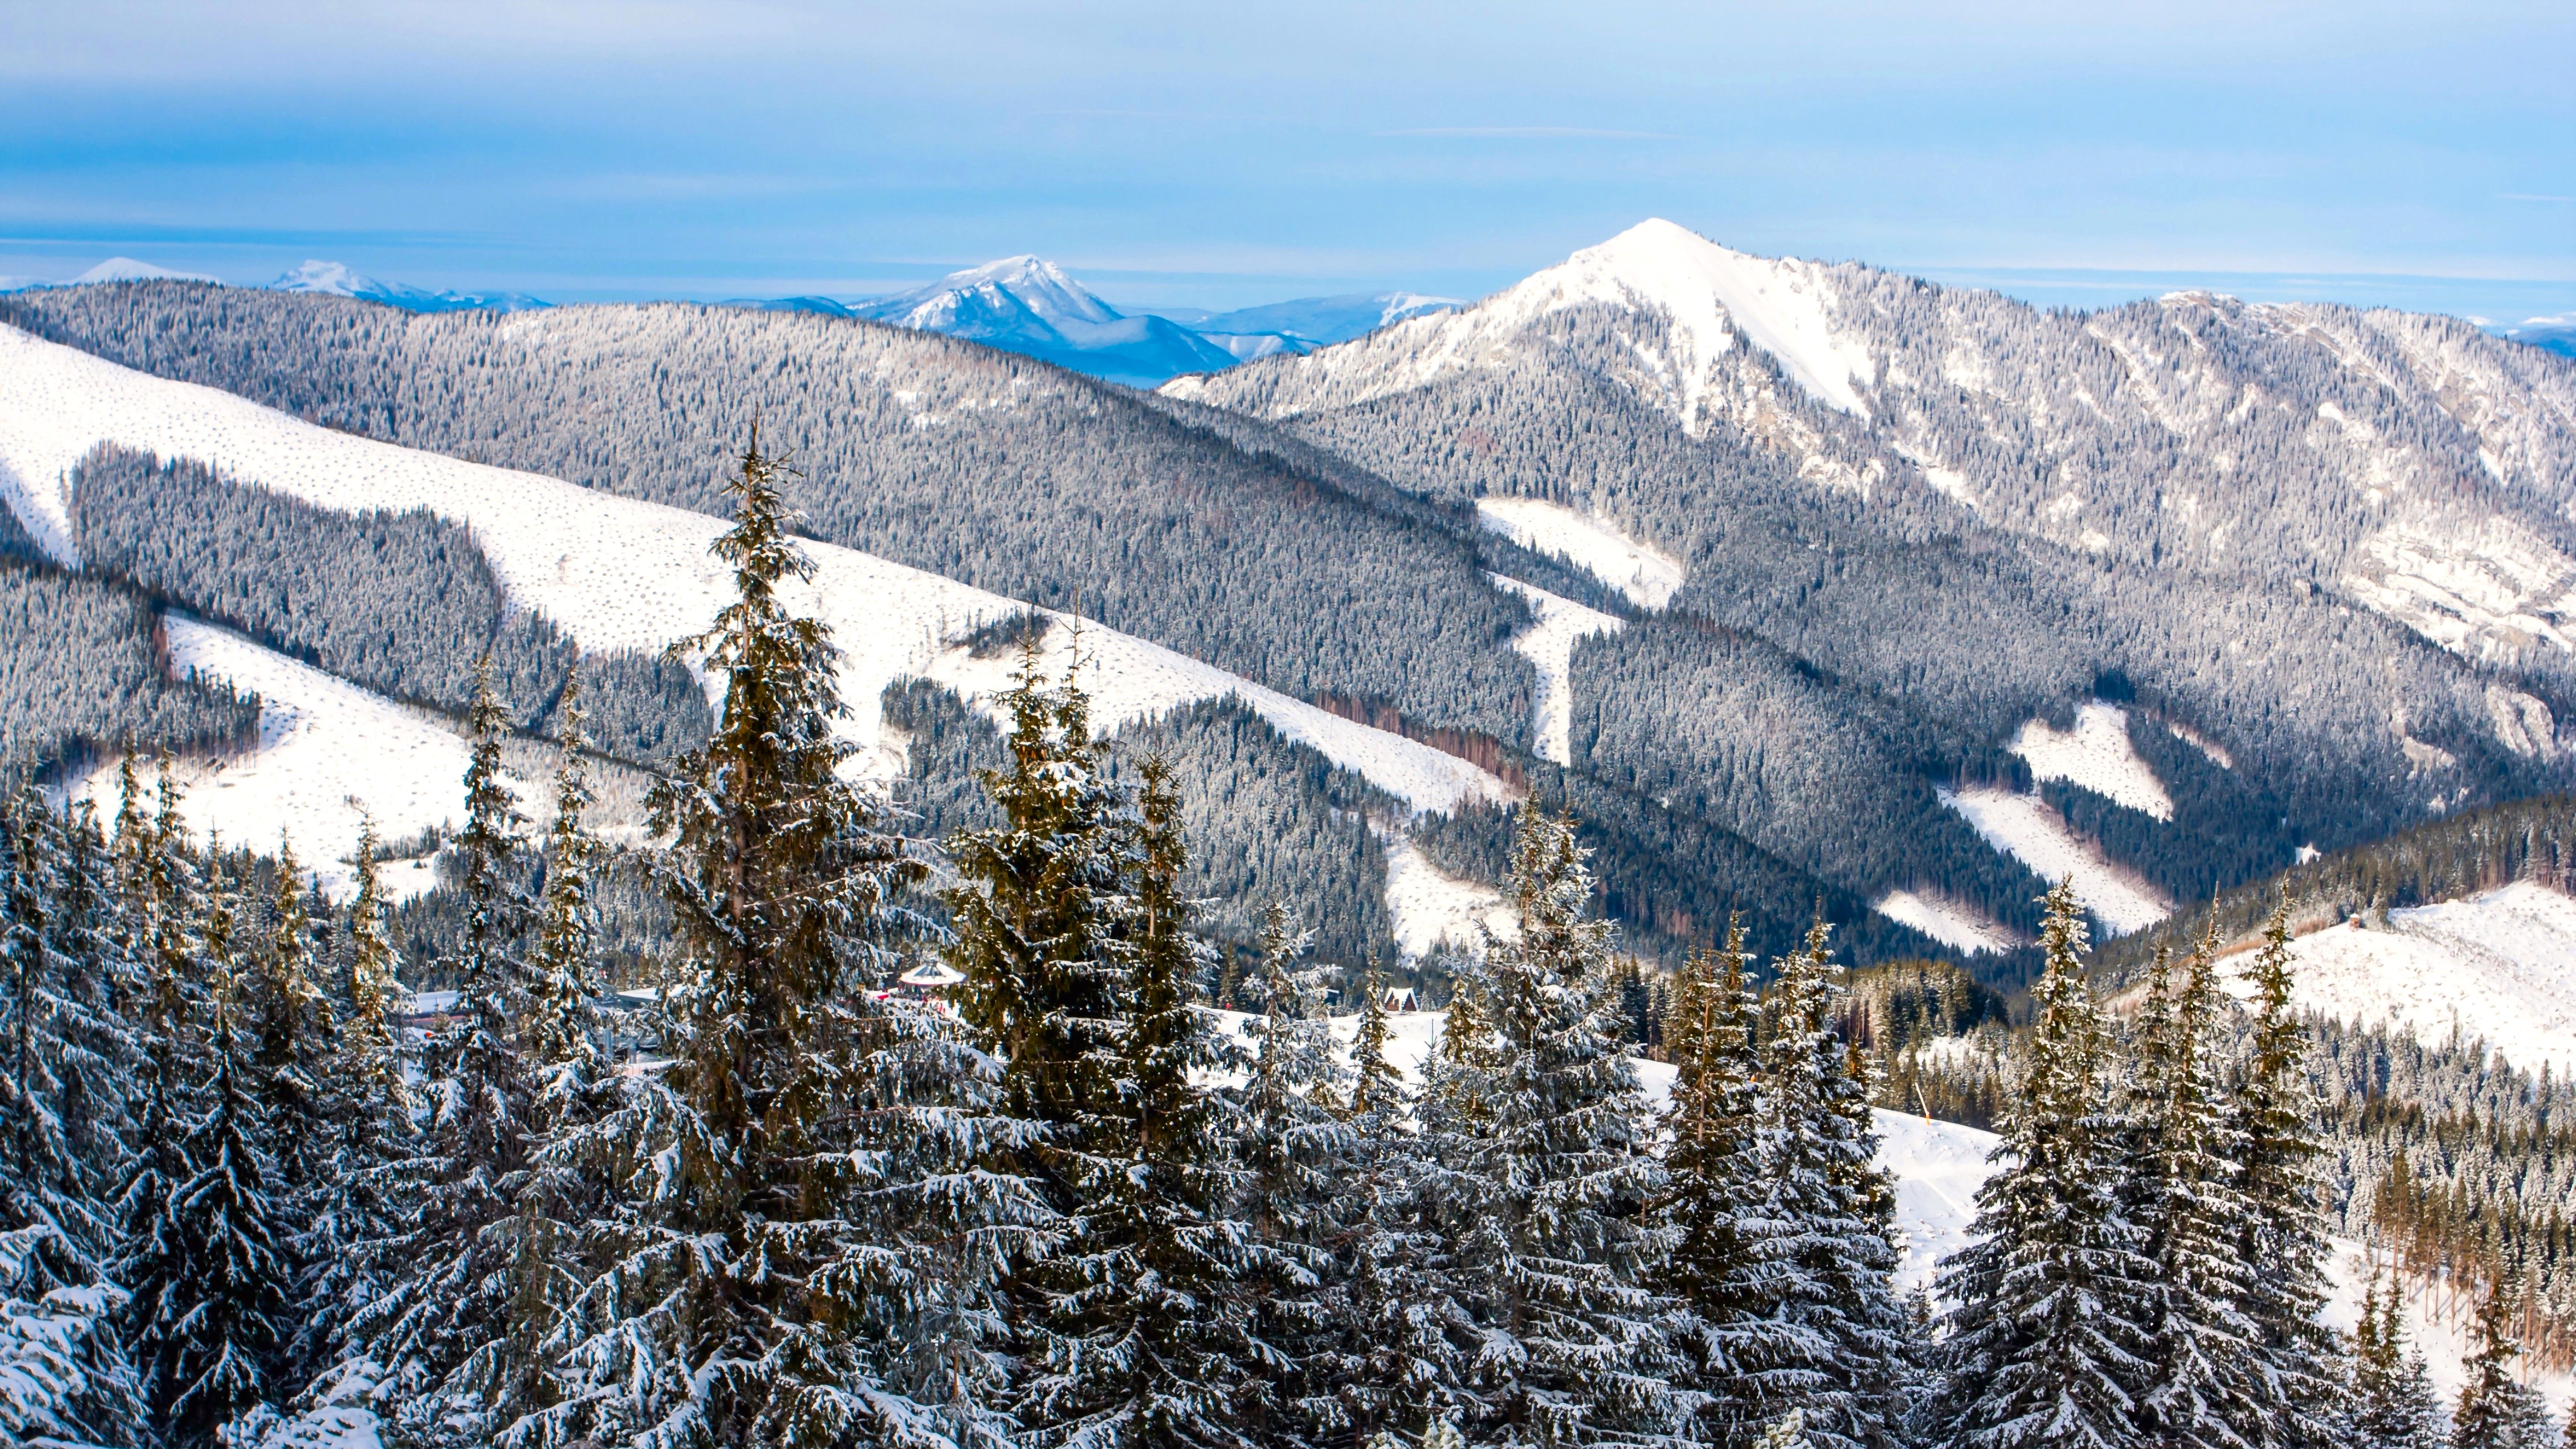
257, 1190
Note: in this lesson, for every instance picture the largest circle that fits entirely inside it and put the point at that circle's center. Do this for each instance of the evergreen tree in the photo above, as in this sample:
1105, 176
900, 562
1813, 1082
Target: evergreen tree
2394, 1406
438, 1331
2182, 1190
1827, 1218
291, 1026
2282, 1237
1377, 1086
1542, 1195
1727, 1366
2050, 1306
803, 1250
1295, 1144
231, 1313
153, 1260
2497, 1410
1145, 1342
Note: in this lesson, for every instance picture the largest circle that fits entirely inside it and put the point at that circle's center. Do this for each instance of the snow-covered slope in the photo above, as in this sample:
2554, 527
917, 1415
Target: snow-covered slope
2027, 828
1549, 645
1309, 322
2095, 754
1646, 574
1952, 923
1427, 906
328, 753
1703, 294
127, 269
2499, 965
615, 572
1029, 305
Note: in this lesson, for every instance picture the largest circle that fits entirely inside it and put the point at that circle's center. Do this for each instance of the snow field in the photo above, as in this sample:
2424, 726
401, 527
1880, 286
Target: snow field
1426, 905
2026, 828
1647, 575
328, 751
1549, 647
2499, 965
618, 573
2096, 755
1954, 924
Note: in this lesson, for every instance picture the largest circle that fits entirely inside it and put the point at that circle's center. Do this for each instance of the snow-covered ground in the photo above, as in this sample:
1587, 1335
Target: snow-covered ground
2027, 828
2499, 965
1939, 1166
327, 751
1646, 574
2478, 590
1427, 905
1954, 924
2096, 755
1549, 647
623, 574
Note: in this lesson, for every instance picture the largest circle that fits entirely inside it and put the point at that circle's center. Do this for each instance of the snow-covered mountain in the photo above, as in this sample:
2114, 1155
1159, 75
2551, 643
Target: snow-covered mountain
1305, 323
114, 269
1028, 305
338, 279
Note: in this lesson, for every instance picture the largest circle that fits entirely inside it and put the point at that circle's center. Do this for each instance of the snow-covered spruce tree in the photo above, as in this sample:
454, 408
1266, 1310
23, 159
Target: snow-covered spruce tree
2282, 1235
291, 1024
153, 1262
435, 1330
1294, 1147
561, 1034
2181, 1191
1826, 1220
2050, 1307
357, 1248
1712, 1271
1146, 1340
93, 938
2498, 1410
804, 1247
2393, 1403
1385, 1358
1542, 1196
61, 1354
230, 1314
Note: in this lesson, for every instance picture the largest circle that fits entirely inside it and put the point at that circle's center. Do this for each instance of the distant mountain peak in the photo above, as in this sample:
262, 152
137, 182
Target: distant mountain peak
339, 279
127, 269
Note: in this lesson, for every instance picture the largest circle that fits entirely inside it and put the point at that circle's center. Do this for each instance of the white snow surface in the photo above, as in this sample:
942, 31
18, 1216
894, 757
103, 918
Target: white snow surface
1954, 924
2097, 755
1032, 281
1646, 574
2499, 965
1939, 1166
618, 573
1426, 905
336, 279
1548, 645
327, 750
2028, 829
2484, 591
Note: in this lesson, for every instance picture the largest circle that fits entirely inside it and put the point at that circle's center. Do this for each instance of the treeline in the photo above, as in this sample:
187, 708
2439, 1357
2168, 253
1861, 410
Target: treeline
83, 669
400, 603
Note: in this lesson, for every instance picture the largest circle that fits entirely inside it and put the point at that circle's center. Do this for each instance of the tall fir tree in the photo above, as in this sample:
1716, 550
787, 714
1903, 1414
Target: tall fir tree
231, 1320
1295, 1146
1730, 1367
803, 1251
2182, 1189
1145, 1340
443, 1331
2393, 1403
2051, 1307
2282, 1235
1542, 1190
2497, 1410
290, 1023
1837, 1339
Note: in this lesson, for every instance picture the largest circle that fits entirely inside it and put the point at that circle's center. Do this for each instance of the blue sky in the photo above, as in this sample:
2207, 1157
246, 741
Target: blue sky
1219, 155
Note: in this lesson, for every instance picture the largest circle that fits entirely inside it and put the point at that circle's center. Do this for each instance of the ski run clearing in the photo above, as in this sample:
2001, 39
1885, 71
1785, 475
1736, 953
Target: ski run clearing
1426, 905
1549, 647
2030, 830
622, 574
2499, 966
1647, 575
2095, 755
1954, 924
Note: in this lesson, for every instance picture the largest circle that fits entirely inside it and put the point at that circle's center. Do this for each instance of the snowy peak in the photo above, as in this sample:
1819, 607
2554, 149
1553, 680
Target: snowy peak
333, 279
127, 269
339, 279
1016, 288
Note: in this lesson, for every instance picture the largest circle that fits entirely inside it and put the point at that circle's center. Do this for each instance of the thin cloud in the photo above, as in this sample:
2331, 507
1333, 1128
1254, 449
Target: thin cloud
1532, 133
2530, 196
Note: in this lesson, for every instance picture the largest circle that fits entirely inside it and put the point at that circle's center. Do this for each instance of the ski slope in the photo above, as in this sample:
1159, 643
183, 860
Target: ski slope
619, 573
2499, 965
1549, 647
1952, 923
2027, 828
1426, 905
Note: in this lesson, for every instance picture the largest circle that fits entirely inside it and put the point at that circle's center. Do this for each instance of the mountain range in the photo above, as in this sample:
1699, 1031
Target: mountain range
1802, 586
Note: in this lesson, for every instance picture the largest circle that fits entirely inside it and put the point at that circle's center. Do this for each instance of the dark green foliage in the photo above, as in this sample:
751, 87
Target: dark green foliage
1266, 817
80, 671
401, 603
